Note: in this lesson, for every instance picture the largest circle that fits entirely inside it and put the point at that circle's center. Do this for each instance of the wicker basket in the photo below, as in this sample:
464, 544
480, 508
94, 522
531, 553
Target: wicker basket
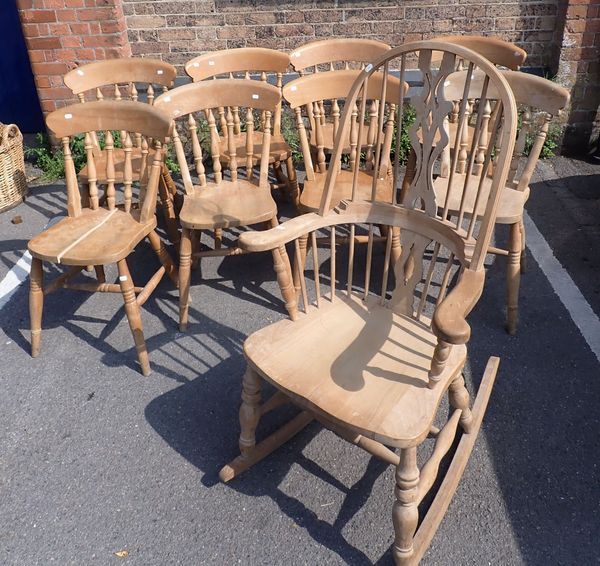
13, 186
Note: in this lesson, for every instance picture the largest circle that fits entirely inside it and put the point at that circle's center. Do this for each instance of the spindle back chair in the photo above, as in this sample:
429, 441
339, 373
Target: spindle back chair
539, 100
306, 97
373, 361
250, 63
244, 198
134, 79
330, 55
104, 232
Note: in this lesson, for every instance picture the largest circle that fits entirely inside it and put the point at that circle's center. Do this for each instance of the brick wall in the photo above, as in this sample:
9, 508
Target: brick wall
62, 33
177, 30
578, 68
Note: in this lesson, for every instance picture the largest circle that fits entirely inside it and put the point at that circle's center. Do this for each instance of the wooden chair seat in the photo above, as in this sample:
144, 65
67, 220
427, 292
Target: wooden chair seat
227, 205
279, 150
510, 207
96, 237
119, 159
357, 363
310, 199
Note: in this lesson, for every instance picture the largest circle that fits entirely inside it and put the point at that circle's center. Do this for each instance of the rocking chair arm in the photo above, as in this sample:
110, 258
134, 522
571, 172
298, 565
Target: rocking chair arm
264, 240
449, 322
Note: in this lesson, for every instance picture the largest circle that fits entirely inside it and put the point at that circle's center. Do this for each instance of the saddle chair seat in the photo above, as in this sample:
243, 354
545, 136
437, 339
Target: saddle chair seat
358, 362
96, 237
510, 208
310, 198
230, 204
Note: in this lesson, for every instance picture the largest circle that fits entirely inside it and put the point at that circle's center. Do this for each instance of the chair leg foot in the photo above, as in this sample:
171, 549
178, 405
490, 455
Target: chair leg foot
185, 264
132, 310
36, 304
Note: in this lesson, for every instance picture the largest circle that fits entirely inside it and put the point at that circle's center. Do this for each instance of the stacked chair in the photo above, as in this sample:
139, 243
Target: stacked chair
371, 348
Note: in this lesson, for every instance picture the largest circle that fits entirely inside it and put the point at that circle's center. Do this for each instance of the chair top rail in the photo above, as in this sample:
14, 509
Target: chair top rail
237, 60
120, 115
336, 84
494, 49
118, 71
213, 94
530, 90
339, 49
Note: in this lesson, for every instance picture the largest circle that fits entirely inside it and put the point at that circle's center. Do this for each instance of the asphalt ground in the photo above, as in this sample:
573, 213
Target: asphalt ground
96, 459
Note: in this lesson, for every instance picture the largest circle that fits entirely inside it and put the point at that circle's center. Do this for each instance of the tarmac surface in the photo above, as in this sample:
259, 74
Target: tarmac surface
97, 461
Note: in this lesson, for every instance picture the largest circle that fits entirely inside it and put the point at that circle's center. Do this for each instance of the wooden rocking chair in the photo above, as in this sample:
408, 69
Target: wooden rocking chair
221, 203
127, 79
99, 235
373, 364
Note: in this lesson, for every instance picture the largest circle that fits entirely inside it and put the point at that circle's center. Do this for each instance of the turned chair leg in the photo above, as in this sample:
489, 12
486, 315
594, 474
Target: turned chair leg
523, 244
513, 277
36, 304
185, 274
281, 265
459, 399
132, 310
169, 211
163, 256
100, 276
405, 512
292, 182
249, 410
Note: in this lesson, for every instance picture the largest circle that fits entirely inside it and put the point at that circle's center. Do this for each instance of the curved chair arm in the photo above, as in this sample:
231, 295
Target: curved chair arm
290, 230
449, 322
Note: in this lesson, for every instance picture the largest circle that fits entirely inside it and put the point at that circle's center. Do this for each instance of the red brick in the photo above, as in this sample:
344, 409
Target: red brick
43, 43
49, 68
114, 26
71, 41
38, 16
96, 14
67, 15
59, 29
100, 41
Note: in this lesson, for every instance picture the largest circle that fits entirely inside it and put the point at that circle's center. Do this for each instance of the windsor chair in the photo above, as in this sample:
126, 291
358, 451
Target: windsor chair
539, 100
330, 55
221, 203
250, 63
127, 79
99, 235
373, 363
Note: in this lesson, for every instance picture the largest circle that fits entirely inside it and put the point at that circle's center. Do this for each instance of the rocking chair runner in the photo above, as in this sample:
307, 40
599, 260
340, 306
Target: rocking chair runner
374, 366
96, 235
127, 79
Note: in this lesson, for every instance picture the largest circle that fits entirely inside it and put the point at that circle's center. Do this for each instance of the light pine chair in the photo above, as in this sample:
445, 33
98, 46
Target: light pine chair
100, 235
372, 121
330, 55
250, 63
133, 79
243, 199
539, 100
373, 362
